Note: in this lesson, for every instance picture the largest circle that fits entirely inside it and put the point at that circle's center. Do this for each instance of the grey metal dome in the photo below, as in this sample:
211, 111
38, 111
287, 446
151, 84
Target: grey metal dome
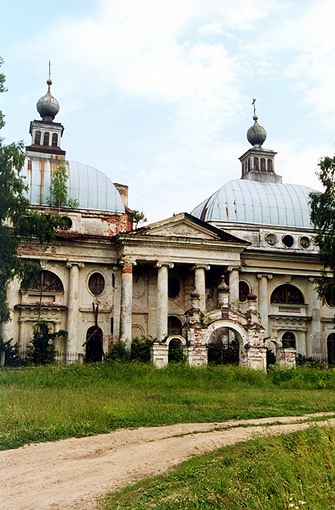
261, 203
93, 189
48, 106
256, 134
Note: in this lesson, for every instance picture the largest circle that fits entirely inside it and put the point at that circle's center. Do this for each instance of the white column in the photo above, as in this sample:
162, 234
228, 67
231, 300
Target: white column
263, 304
316, 343
200, 284
162, 299
73, 311
12, 298
234, 280
126, 303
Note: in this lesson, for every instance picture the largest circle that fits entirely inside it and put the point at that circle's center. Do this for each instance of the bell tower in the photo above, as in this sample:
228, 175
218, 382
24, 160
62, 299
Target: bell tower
258, 163
45, 133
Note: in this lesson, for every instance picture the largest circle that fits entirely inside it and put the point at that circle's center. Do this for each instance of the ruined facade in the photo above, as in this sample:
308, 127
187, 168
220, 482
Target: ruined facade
236, 276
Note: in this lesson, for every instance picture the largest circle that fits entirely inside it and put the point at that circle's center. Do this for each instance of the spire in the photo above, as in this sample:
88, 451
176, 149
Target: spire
256, 134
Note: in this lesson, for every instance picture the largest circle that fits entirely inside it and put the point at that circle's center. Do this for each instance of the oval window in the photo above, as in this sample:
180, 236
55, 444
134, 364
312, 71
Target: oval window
96, 284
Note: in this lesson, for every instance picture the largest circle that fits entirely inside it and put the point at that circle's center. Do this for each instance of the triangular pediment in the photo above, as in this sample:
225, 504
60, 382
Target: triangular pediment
187, 226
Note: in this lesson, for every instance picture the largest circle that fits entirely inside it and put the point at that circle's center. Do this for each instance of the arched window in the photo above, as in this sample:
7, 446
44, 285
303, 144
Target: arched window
44, 281
46, 138
269, 165
54, 140
174, 326
256, 163
288, 340
288, 295
263, 164
244, 291
38, 138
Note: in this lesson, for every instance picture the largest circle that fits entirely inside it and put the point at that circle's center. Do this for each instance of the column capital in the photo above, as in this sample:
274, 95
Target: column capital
127, 263
201, 266
234, 268
268, 276
160, 264
69, 264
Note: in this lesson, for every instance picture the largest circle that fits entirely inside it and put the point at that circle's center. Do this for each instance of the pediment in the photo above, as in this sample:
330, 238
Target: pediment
184, 225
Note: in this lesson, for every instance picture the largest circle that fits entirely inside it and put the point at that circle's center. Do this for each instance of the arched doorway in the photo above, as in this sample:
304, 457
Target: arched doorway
176, 351
223, 347
94, 350
331, 349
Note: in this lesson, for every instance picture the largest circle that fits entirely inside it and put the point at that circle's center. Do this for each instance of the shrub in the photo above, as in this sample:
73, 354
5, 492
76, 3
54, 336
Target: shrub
41, 350
12, 357
118, 352
140, 348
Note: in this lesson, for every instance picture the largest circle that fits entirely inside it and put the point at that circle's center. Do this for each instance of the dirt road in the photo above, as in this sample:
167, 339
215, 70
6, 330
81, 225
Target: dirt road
72, 474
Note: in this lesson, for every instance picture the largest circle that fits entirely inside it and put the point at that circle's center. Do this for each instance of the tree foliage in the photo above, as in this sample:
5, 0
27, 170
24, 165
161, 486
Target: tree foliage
59, 195
323, 218
41, 350
17, 220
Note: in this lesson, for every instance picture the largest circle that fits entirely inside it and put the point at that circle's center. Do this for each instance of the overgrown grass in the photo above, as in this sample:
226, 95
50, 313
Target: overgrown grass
295, 471
52, 402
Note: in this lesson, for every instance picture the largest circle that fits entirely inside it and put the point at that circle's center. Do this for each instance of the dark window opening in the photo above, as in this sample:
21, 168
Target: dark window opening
174, 326
173, 287
304, 242
288, 241
96, 284
288, 295
244, 291
263, 164
44, 281
331, 349
38, 138
269, 165
46, 138
66, 223
256, 163
288, 340
55, 140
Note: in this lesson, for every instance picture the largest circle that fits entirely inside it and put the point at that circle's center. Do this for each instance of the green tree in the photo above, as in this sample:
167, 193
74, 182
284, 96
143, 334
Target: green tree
59, 195
323, 218
41, 350
17, 220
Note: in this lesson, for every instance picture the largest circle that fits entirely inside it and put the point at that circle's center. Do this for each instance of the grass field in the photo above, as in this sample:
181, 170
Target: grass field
276, 473
49, 403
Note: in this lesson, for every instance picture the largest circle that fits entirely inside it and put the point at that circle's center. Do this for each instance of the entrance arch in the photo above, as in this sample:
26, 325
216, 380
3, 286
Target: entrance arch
223, 347
94, 350
176, 350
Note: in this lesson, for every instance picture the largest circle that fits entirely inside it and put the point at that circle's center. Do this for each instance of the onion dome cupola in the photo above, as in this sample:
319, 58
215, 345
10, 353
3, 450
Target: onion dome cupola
258, 163
48, 106
45, 133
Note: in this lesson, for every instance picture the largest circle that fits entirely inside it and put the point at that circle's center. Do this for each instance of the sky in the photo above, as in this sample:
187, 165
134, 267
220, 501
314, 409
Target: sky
157, 94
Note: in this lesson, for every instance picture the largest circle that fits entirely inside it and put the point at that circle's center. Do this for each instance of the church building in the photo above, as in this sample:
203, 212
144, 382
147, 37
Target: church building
234, 276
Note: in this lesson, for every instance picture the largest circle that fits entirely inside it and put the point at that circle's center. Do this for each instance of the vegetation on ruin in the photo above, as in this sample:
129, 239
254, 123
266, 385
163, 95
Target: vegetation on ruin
46, 403
59, 194
17, 220
323, 218
296, 471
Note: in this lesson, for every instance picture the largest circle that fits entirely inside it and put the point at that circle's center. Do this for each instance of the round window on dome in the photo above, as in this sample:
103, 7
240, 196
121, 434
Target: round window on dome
66, 223
288, 241
96, 284
304, 242
271, 239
